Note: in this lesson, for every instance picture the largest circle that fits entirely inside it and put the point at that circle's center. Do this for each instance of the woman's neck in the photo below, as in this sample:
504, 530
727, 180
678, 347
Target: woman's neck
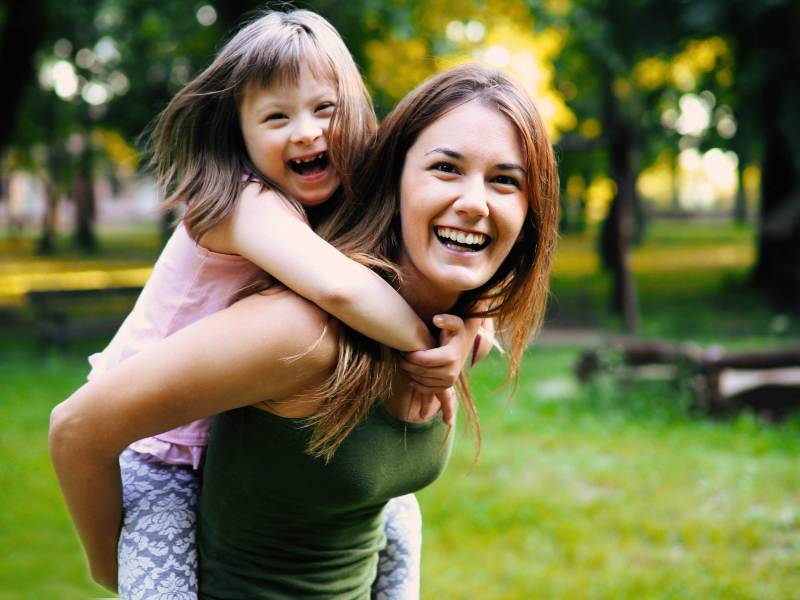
426, 300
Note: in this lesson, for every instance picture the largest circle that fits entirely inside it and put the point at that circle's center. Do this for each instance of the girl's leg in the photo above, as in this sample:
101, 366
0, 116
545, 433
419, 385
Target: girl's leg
157, 552
399, 563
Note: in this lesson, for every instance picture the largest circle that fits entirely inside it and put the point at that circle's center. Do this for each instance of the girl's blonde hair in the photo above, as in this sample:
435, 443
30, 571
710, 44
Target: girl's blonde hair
368, 229
198, 153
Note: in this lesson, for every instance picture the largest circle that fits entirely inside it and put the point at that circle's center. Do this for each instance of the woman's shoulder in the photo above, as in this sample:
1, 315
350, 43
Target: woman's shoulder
307, 333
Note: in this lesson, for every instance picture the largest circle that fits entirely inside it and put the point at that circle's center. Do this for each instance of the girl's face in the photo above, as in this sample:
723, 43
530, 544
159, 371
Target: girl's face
462, 199
285, 132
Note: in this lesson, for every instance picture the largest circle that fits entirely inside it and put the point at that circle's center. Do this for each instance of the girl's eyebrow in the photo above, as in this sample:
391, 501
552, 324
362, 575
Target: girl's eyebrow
458, 156
268, 103
274, 101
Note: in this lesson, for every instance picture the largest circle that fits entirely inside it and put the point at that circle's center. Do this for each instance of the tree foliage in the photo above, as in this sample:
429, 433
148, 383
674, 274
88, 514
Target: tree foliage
86, 77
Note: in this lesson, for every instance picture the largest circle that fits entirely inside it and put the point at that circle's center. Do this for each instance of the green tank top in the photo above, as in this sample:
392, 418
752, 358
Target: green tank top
276, 523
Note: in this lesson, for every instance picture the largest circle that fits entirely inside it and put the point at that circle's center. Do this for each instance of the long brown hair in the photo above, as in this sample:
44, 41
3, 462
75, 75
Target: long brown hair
368, 229
197, 150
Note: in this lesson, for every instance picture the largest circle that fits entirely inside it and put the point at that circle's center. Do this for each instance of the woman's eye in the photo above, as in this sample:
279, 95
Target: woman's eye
507, 180
445, 167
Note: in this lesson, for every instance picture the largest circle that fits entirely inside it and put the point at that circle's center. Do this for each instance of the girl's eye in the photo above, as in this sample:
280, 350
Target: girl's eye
507, 180
445, 167
326, 107
275, 117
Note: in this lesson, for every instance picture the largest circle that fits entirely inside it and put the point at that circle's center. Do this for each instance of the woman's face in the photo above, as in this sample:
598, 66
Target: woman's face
462, 199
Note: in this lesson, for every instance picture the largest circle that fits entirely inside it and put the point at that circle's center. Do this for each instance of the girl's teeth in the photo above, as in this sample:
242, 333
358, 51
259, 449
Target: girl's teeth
305, 160
461, 238
470, 239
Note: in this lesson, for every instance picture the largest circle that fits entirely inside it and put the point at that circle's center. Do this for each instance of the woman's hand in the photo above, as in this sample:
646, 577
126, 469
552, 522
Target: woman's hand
434, 372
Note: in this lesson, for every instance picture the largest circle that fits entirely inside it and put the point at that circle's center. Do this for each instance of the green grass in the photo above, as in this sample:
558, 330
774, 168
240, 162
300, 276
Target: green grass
41, 557
596, 491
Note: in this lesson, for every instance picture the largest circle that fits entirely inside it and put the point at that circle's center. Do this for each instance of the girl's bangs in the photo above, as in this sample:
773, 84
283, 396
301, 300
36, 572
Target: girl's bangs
281, 62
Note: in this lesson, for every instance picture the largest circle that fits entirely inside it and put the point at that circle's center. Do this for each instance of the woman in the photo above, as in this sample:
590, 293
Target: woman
461, 193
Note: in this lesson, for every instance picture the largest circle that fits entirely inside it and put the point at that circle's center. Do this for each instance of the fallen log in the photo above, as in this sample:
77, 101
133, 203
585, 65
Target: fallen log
765, 381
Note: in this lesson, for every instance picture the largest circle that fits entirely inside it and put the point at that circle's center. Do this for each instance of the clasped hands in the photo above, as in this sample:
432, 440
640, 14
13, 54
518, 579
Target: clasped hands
433, 373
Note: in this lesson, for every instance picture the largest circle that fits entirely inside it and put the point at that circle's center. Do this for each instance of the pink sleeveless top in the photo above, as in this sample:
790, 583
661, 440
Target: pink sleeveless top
188, 282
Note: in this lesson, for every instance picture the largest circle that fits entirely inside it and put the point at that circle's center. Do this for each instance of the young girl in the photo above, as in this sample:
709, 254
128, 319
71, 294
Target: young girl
261, 144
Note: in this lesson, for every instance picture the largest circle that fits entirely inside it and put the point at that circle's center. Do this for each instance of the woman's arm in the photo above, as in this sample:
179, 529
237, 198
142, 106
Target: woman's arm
233, 358
266, 230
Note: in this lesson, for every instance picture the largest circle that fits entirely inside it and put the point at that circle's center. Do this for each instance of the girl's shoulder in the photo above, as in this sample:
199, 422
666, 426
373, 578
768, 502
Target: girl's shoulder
257, 200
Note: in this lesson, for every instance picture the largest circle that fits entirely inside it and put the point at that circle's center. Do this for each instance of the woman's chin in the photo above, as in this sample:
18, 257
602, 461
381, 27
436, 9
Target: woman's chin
458, 280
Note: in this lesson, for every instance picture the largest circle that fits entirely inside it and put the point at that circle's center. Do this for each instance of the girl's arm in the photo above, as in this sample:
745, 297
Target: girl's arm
233, 358
266, 230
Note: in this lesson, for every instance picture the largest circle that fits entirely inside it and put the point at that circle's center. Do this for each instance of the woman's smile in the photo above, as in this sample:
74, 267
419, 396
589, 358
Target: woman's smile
461, 241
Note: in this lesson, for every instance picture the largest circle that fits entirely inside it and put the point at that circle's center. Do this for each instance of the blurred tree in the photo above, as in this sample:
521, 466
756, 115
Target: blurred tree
23, 25
606, 39
767, 90
89, 53
623, 68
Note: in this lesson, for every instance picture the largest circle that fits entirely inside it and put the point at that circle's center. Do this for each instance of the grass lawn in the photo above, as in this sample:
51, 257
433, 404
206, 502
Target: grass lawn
594, 491
598, 492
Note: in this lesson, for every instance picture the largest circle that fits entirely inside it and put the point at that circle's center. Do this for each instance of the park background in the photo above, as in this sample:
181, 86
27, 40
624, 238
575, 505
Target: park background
678, 139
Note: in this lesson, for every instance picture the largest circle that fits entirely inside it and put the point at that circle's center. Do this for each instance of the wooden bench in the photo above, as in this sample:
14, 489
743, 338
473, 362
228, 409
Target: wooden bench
62, 316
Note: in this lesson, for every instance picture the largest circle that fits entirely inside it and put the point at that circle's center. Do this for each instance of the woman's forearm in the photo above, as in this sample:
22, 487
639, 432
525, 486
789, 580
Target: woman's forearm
90, 482
230, 359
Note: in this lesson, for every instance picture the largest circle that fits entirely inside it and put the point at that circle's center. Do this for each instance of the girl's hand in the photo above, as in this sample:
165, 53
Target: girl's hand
435, 370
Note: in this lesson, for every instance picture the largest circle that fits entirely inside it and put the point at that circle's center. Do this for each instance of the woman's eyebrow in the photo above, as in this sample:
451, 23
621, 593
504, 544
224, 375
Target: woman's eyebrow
510, 167
447, 152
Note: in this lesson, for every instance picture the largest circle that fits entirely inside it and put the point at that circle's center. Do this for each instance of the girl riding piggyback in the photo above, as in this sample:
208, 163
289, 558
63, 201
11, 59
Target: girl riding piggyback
259, 148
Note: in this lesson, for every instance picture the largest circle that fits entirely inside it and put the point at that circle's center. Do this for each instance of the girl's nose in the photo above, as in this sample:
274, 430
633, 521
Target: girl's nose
306, 130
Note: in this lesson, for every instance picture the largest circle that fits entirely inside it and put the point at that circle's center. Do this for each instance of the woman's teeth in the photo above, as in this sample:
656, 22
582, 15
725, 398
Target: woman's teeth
459, 240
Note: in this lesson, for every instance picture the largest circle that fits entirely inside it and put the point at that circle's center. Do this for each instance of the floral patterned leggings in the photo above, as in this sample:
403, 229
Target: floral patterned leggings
157, 553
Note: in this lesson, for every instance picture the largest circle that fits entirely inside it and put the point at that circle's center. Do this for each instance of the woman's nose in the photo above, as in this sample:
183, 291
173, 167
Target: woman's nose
473, 200
306, 130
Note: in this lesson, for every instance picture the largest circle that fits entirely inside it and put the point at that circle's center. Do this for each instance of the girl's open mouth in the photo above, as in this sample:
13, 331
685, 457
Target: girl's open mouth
461, 241
308, 167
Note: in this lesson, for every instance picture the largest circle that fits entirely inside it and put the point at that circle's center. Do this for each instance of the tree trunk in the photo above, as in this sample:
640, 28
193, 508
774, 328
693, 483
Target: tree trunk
777, 270
740, 202
46, 243
85, 201
24, 27
618, 228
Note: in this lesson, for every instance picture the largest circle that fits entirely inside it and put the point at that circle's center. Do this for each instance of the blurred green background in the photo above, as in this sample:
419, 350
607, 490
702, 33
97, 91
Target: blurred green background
678, 139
